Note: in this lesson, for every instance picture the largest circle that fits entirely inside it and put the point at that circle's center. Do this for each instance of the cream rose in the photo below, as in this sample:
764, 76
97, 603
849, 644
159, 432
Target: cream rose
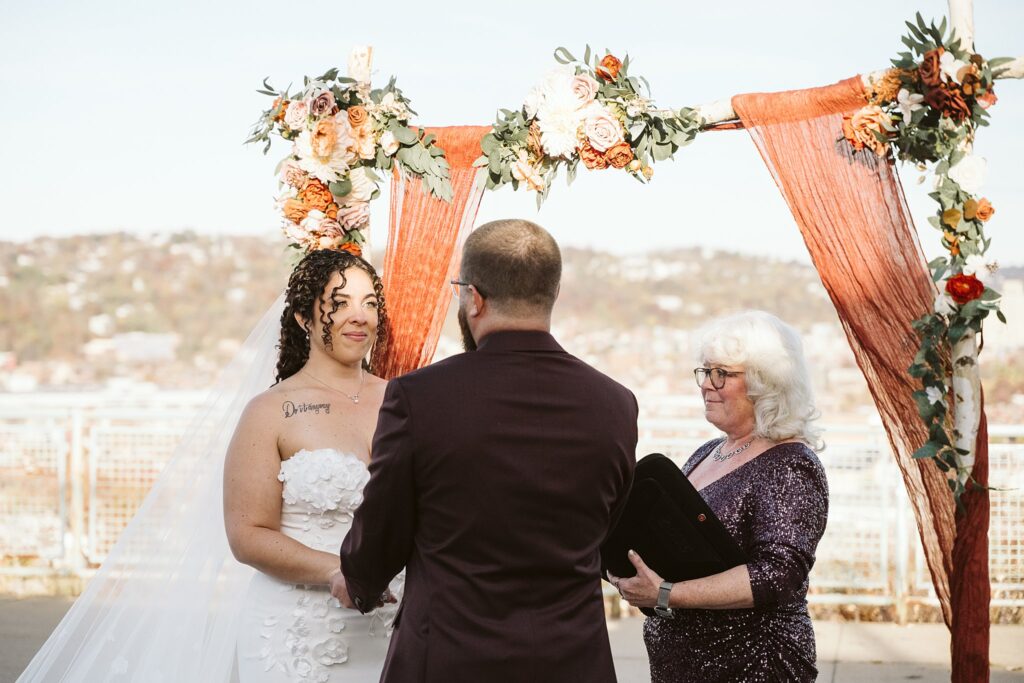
296, 115
523, 171
389, 143
969, 174
363, 186
602, 129
292, 175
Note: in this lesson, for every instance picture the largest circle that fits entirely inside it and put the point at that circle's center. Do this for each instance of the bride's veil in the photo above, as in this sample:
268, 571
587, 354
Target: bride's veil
165, 604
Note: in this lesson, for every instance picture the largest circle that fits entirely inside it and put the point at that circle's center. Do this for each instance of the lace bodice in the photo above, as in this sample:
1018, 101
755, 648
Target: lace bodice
322, 489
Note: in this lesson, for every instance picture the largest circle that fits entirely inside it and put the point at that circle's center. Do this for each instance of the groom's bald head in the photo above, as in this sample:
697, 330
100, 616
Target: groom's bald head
515, 264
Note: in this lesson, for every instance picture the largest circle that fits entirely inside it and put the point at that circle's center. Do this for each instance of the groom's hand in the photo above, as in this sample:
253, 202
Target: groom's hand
642, 589
339, 589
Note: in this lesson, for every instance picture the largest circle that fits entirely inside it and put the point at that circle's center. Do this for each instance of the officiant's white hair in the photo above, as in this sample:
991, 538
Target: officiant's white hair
772, 357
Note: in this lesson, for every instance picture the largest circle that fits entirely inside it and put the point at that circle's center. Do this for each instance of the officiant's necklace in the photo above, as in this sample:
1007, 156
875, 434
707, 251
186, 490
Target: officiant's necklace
719, 456
352, 397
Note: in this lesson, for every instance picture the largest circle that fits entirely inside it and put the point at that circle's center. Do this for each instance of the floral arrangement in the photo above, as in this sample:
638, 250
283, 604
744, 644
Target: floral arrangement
342, 132
929, 106
588, 111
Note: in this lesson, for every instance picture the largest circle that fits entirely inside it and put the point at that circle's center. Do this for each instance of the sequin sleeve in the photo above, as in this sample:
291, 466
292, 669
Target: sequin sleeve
788, 520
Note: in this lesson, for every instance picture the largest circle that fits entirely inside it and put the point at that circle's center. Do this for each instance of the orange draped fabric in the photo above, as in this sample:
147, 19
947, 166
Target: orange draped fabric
424, 240
854, 219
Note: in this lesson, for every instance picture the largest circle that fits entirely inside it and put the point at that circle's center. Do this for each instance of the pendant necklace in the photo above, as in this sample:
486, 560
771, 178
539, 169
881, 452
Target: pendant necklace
352, 397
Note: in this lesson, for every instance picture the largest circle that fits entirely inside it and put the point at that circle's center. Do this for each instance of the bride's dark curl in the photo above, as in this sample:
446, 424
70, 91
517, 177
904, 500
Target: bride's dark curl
305, 286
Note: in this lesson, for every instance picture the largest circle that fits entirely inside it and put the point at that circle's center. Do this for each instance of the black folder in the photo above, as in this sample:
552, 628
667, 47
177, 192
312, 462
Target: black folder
671, 527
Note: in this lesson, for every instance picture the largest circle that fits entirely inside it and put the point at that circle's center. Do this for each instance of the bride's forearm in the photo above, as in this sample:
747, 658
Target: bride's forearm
726, 590
284, 558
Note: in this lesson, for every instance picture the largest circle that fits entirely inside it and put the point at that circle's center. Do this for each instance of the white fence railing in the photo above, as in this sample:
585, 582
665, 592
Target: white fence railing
73, 471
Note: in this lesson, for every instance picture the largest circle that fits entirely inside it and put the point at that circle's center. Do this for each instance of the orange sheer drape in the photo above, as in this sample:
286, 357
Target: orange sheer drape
854, 219
423, 248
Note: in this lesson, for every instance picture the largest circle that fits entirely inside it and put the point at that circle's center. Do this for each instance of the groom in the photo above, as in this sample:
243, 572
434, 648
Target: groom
495, 477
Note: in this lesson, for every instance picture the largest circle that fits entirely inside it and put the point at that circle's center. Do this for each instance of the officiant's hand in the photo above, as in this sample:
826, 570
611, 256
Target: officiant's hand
642, 589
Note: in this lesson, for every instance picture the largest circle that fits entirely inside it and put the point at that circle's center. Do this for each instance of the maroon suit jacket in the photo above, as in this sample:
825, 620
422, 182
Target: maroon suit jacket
495, 477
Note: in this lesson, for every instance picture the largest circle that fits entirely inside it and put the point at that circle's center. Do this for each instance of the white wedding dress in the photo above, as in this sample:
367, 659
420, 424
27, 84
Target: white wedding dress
301, 633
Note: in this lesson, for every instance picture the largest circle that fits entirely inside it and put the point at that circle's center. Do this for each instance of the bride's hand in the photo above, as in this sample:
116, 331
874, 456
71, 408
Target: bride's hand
340, 590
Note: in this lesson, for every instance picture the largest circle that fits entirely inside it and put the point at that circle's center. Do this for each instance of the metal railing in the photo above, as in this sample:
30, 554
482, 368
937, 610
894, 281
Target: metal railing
74, 469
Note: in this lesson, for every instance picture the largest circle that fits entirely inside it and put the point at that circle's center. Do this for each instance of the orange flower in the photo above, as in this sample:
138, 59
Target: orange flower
988, 99
324, 138
316, 196
951, 217
357, 116
886, 88
295, 210
860, 127
952, 242
281, 105
352, 248
980, 209
619, 155
591, 158
609, 68
964, 288
331, 211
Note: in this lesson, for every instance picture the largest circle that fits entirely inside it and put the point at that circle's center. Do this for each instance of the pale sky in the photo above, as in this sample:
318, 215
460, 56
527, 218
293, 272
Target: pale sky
130, 116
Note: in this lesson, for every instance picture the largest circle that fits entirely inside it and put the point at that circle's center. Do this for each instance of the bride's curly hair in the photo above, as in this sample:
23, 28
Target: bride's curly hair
306, 284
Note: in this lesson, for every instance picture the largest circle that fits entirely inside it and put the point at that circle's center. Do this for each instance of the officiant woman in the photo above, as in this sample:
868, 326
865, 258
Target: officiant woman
767, 486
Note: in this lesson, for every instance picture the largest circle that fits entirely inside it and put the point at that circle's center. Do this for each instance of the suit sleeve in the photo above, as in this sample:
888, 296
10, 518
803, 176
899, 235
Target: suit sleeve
381, 539
628, 466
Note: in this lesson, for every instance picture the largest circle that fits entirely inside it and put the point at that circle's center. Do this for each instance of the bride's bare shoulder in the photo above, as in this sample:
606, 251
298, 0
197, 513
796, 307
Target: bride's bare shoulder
268, 403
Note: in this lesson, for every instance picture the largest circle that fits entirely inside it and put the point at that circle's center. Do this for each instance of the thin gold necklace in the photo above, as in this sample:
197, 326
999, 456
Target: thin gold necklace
353, 398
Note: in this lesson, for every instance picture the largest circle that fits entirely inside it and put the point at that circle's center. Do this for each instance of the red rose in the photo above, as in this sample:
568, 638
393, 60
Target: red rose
964, 288
930, 71
609, 68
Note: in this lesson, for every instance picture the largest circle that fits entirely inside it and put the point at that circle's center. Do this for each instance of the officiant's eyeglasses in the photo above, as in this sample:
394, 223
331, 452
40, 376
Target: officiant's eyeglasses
456, 284
717, 375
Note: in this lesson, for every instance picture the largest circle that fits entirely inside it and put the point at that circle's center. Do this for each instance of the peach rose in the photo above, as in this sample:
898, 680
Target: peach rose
296, 114
316, 196
591, 158
584, 89
293, 175
324, 138
860, 128
357, 116
609, 68
295, 210
363, 144
620, 155
988, 99
602, 129
981, 209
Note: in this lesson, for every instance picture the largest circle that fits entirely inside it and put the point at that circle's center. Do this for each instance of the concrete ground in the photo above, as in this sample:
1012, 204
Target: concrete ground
848, 652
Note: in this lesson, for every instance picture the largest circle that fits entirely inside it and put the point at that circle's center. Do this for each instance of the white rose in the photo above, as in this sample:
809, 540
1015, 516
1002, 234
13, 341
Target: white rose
980, 267
297, 114
969, 174
603, 130
389, 143
363, 186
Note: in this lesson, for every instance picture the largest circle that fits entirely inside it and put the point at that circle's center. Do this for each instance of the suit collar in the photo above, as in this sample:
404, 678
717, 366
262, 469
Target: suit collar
519, 340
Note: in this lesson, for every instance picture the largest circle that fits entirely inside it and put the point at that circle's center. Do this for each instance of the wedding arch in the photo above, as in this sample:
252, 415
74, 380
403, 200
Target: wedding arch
913, 326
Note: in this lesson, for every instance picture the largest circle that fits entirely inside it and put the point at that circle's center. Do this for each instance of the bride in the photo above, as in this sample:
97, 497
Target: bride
169, 602
294, 475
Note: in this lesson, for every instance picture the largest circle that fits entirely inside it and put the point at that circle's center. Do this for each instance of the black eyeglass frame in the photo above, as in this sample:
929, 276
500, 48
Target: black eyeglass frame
700, 374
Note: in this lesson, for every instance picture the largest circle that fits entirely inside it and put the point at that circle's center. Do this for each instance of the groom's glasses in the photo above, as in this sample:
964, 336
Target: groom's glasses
458, 284
717, 375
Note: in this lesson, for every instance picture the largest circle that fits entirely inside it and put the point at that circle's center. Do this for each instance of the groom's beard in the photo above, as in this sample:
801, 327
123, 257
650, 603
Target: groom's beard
468, 343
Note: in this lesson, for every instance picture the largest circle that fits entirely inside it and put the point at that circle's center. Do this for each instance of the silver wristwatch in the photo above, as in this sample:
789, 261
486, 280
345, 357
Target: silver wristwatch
662, 609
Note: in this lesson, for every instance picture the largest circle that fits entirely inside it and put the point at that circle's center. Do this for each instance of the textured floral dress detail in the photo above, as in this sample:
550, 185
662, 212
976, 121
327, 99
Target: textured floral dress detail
301, 633
775, 507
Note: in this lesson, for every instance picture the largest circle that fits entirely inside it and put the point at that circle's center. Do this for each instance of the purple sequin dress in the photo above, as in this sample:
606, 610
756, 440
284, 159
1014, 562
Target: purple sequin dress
775, 506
